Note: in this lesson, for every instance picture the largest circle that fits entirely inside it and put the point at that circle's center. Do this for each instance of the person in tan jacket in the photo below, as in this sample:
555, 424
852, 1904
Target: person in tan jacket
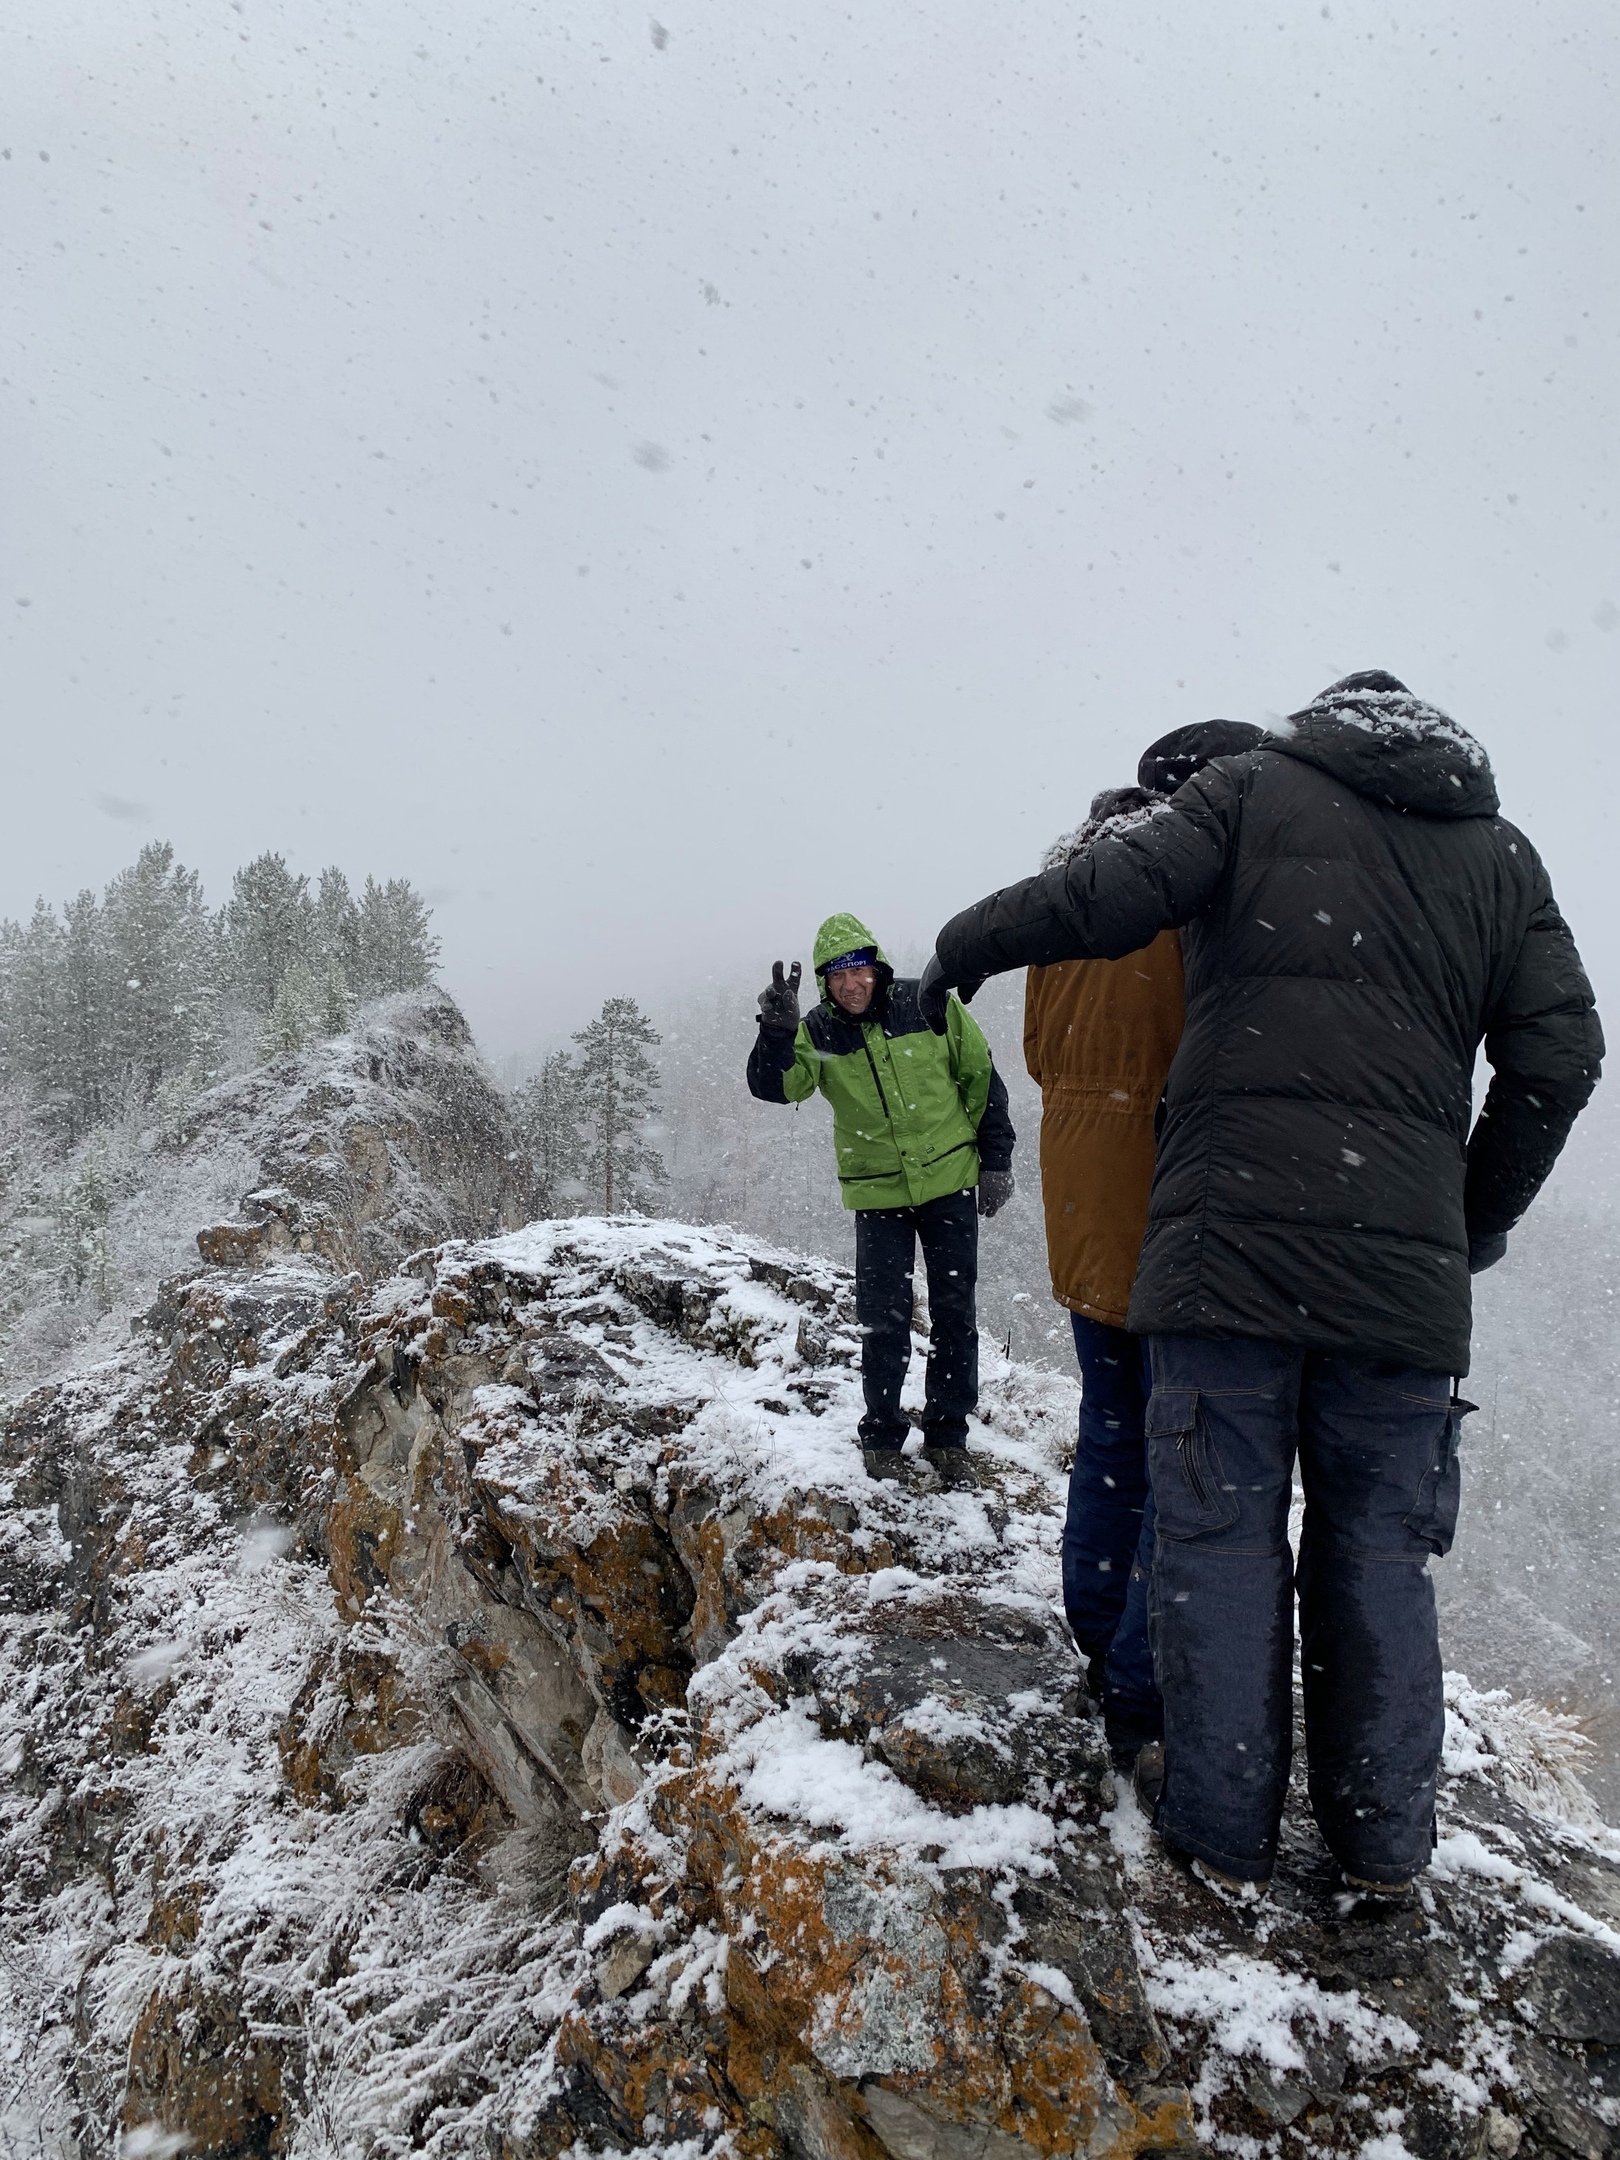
1099, 1036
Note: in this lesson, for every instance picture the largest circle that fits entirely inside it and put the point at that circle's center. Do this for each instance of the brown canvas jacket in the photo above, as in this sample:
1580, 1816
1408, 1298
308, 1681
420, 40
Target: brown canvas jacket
1098, 1039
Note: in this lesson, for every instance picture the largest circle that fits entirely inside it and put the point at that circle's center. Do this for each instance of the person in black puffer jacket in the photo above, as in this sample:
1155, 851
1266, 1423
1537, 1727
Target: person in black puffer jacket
1356, 917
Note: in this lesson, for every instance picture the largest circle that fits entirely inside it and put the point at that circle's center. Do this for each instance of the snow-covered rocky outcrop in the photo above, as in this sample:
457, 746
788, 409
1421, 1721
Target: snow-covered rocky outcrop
491, 1712
362, 1148
366, 1146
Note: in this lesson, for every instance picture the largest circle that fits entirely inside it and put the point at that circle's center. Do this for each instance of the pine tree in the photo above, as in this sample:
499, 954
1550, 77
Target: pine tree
81, 1215
618, 1086
269, 923
337, 927
35, 1026
145, 995
397, 949
331, 1000
294, 1018
158, 962
98, 1011
546, 1111
82, 1096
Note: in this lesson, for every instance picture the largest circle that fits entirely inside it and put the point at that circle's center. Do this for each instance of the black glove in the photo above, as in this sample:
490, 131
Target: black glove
1484, 1252
934, 992
995, 1190
779, 1002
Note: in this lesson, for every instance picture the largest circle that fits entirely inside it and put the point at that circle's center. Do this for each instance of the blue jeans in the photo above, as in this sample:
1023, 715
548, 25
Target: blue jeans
1377, 1448
1108, 1531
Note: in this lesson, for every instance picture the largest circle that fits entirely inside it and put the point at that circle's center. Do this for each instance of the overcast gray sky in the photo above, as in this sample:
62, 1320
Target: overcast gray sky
655, 482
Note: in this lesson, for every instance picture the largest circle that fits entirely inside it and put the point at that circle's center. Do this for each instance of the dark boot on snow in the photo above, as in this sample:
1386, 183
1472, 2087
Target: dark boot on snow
954, 1467
1147, 1776
883, 1463
1383, 1893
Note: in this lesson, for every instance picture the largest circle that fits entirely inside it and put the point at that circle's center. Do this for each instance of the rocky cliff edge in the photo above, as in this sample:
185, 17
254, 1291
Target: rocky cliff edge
490, 1712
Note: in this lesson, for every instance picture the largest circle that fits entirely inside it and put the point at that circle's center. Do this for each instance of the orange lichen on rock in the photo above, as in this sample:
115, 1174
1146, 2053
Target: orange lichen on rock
199, 2072
354, 1702
494, 1716
877, 1989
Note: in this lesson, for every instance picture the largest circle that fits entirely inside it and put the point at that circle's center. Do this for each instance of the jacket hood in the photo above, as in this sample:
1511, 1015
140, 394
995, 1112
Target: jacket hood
1113, 811
840, 934
1370, 732
1172, 761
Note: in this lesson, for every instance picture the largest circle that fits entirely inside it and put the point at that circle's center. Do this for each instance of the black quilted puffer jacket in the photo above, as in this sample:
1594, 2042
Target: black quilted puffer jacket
1356, 919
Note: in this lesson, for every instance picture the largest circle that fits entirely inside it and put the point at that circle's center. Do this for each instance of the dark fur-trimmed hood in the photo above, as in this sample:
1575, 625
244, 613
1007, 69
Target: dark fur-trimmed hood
1391, 747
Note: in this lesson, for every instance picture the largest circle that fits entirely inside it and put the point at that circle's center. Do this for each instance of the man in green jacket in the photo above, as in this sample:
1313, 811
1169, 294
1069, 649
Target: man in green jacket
919, 1120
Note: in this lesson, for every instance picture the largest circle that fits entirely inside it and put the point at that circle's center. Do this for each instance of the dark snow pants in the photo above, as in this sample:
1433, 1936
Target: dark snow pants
886, 1242
1108, 1530
1377, 1447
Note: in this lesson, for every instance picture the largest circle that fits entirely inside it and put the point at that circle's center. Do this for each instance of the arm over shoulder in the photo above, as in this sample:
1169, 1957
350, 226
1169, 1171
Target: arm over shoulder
1112, 898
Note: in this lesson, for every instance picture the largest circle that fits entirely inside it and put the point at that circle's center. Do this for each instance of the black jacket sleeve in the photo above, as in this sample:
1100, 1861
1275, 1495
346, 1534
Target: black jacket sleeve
1545, 1047
770, 1058
1111, 899
996, 1135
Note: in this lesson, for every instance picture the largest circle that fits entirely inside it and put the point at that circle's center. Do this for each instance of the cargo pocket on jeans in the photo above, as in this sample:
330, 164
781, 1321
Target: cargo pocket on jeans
1433, 1517
1195, 1495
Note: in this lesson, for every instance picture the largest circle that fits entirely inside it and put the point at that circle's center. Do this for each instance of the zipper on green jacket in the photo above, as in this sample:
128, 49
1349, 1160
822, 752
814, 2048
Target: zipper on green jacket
945, 1154
876, 1082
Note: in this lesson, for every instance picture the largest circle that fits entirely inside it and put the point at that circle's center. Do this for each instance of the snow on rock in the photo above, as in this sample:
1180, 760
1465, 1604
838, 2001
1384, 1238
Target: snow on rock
491, 1712
367, 1146
361, 1149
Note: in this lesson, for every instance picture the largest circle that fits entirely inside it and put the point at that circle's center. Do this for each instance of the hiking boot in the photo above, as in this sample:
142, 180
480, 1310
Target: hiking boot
954, 1467
1394, 1891
883, 1463
1147, 1776
1235, 1887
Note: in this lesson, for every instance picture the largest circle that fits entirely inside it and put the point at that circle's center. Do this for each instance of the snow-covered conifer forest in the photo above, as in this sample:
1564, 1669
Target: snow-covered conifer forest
117, 1013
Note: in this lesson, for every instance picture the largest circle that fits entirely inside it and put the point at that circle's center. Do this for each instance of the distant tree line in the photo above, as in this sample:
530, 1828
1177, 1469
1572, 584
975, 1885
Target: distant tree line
116, 1000
583, 1119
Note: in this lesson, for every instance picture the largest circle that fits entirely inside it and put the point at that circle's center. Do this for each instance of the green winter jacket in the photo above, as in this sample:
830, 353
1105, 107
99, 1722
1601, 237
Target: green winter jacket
912, 1110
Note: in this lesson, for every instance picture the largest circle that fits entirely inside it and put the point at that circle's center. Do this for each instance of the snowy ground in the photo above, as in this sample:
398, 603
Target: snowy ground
340, 1626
